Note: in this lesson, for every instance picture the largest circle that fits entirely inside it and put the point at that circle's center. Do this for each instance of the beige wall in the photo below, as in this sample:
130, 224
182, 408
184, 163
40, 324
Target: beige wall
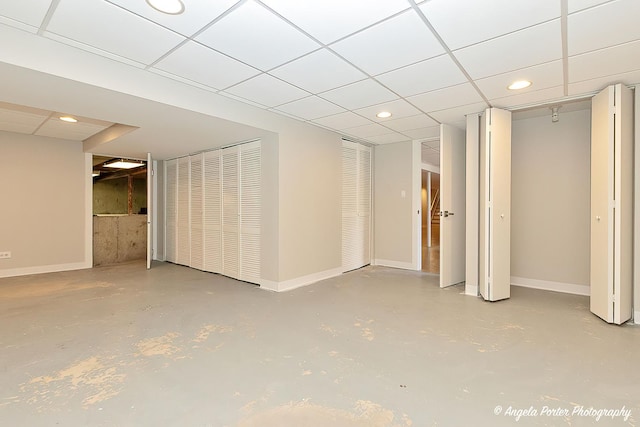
392, 212
551, 198
42, 190
310, 190
269, 215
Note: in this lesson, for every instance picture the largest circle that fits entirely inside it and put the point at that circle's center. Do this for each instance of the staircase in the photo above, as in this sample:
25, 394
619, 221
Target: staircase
435, 208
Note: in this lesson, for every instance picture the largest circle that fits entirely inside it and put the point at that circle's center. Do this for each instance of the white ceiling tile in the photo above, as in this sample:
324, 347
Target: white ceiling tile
605, 62
459, 23
197, 13
542, 76
431, 159
30, 12
93, 23
310, 108
21, 119
410, 123
576, 5
329, 20
622, 15
597, 84
254, 35
508, 53
446, 98
455, 115
433, 145
428, 132
367, 131
80, 131
388, 138
398, 108
319, 71
196, 62
527, 98
342, 121
360, 94
395, 43
424, 76
267, 90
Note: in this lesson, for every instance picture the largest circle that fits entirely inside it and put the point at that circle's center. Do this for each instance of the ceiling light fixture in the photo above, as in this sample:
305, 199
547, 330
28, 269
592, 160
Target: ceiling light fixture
123, 164
95, 173
68, 119
383, 115
170, 7
520, 84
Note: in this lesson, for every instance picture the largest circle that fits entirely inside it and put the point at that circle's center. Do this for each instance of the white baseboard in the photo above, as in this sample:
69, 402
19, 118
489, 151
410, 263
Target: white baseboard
471, 290
298, 282
394, 264
636, 317
12, 272
567, 288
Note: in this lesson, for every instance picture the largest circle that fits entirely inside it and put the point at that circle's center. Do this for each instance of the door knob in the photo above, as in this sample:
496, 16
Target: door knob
446, 213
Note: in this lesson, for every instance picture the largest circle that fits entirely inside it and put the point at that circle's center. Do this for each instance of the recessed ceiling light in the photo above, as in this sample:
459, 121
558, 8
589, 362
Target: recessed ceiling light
68, 119
383, 115
171, 7
520, 84
124, 164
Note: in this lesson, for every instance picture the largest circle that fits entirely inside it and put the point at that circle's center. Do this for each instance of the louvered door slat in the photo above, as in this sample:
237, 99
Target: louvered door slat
230, 212
212, 212
183, 255
170, 207
250, 211
197, 208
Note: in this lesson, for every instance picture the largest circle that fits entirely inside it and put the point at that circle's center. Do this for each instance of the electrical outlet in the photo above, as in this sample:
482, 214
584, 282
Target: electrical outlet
5, 255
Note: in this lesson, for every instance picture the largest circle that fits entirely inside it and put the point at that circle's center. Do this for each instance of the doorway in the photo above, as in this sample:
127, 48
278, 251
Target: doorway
119, 210
431, 222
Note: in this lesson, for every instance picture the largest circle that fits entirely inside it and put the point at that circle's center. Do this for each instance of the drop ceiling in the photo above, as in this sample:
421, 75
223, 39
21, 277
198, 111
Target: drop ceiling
336, 63
36, 121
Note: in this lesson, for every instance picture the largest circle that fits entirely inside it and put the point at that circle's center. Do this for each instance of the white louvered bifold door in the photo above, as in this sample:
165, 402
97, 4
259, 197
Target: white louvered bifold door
212, 212
349, 207
364, 205
171, 204
356, 205
183, 254
230, 212
250, 207
197, 208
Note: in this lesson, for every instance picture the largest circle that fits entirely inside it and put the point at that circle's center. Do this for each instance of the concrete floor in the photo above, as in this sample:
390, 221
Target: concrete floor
377, 347
431, 254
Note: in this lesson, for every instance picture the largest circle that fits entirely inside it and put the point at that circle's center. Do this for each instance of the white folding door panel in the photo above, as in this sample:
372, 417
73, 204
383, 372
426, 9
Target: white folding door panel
356, 205
495, 205
212, 217
230, 212
611, 203
250, 211
183, 229
197, 211
171, 208
452, 205
150, 210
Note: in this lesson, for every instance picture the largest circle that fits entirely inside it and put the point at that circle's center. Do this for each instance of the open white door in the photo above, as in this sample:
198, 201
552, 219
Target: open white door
611, 203
452, 205
495, 205
150, 187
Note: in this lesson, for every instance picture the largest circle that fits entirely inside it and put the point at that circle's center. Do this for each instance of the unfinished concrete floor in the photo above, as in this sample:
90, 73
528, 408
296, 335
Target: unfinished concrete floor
123, 346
